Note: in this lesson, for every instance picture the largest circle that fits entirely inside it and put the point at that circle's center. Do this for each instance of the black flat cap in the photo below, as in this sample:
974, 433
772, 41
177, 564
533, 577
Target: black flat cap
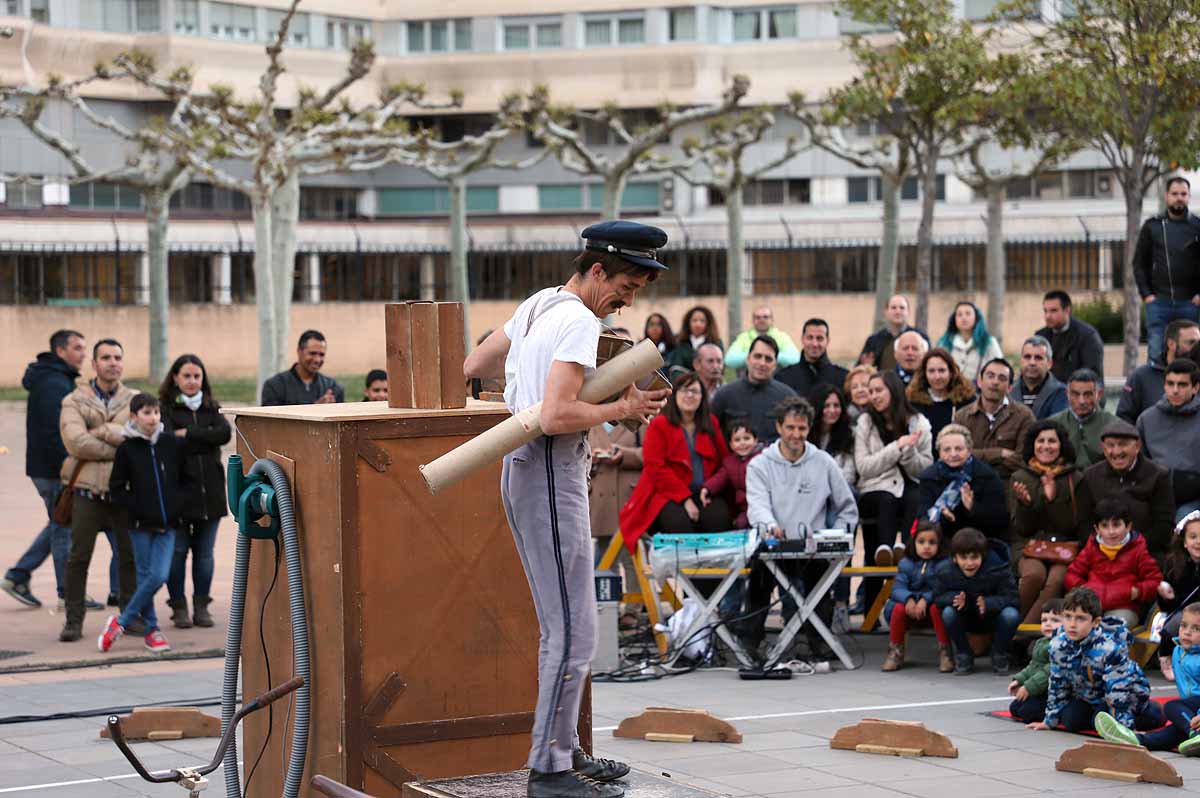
1119, 429
631, 241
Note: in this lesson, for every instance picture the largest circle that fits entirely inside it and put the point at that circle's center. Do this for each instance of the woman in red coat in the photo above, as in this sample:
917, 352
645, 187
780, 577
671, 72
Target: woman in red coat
1116, 563
682, 448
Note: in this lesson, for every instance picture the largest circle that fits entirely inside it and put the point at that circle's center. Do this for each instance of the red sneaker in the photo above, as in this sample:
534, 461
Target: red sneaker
112, 630
156, 641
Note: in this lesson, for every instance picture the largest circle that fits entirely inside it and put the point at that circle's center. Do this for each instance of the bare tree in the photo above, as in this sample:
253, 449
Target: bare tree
453, 163
321, 133
638, 150
153, 173
877, 152
720, 162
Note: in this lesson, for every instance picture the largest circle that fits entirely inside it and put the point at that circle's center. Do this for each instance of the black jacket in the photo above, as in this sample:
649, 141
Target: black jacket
153, 501
752, 402
994, 581
1148, 492
805, 376
200, 453
989, 514
1143, 388
881, 347
1077, 347
49, 380
1164, 261
286, 388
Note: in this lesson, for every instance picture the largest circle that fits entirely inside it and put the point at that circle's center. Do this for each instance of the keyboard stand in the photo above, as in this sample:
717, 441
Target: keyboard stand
711, 611
806, 605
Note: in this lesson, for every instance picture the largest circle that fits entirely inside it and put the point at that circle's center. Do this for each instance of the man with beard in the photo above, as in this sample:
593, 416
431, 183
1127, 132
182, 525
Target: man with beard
1164, 264
1144, 387
754, 397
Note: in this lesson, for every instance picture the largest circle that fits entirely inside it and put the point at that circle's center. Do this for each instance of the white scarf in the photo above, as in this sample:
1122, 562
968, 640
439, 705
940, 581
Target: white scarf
192, 402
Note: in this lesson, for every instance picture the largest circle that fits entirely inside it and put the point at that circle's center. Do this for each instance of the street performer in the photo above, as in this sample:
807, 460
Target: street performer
544, 352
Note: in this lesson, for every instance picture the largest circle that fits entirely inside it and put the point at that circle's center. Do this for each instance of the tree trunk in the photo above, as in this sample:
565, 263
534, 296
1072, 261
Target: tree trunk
1131, 184
460, 283
996, 265
889, 246
925, 237
285, 216
734, 258
157, 210
264, 291
614, 187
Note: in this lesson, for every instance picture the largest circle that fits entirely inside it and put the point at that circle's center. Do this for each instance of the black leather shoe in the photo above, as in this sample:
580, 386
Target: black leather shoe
71, 631
569, 784
596, 768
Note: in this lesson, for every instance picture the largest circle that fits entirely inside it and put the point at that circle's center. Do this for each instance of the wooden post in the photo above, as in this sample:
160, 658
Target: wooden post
426, 370
451, 354
398, 340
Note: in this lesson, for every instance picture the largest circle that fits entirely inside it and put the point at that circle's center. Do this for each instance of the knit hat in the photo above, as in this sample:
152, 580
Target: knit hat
1119, 429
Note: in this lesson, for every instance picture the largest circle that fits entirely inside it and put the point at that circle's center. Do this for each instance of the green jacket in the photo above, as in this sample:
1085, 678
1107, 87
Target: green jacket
1036, 676
1085, 437
739, 350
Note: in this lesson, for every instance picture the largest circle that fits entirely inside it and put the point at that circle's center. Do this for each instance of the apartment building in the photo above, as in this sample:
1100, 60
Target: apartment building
812, 225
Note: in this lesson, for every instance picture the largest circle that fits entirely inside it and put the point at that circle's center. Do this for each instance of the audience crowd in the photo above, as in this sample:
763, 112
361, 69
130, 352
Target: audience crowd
989, 492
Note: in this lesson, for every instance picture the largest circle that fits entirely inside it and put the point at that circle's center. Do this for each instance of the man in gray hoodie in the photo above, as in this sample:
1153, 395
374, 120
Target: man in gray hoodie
1170, 433
789, 487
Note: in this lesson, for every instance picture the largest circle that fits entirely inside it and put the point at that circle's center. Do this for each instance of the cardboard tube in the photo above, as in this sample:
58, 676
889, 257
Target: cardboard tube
399, 354
451, 353
426, 368
487, 447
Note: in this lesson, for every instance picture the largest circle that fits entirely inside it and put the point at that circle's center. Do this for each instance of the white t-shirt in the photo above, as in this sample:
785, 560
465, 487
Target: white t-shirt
563, 329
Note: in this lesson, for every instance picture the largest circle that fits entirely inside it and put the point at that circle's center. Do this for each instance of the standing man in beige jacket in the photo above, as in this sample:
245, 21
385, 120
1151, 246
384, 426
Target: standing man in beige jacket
91, 424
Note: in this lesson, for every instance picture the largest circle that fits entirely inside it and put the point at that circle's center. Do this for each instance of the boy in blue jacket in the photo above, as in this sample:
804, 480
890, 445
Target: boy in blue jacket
1182, 712
1091, 671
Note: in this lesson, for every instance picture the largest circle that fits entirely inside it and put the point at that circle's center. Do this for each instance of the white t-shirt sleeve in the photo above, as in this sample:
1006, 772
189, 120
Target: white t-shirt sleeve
576, 342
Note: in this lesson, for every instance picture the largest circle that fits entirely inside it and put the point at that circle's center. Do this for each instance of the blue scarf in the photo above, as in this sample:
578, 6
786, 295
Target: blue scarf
955, 478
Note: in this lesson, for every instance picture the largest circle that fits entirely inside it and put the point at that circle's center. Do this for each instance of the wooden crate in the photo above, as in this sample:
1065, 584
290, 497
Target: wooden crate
423, 638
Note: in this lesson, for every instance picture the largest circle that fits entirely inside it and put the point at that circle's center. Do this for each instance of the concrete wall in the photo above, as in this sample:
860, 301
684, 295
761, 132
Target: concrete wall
224, 336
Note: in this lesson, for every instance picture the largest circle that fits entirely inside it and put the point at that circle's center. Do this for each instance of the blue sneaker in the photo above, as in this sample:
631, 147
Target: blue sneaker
20, 591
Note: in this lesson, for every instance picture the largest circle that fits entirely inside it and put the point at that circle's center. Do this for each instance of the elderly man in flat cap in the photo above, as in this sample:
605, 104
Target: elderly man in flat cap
544, 351
1145, 485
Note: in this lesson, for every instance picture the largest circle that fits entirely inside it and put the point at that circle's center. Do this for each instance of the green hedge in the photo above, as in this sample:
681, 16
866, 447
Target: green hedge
1107, 318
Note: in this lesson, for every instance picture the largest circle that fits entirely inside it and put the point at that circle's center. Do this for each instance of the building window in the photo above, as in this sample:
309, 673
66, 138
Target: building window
208, 199
1060, 185
525, 34
39, 11
870, 189
12, 8
436, 35
128, 16
22, 195
435, 201
560, 198
328, 203
642, 195
187, 17
781, 191
299, 29
227, 21
105, 197
764, 24
681, 25
601, 31
342, 33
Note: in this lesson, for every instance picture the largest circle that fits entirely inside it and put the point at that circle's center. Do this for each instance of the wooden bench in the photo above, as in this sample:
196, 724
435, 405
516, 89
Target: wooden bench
888, 575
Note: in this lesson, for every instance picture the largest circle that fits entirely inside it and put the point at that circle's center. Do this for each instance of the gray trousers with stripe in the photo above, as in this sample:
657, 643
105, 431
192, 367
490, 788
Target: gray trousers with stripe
544, 488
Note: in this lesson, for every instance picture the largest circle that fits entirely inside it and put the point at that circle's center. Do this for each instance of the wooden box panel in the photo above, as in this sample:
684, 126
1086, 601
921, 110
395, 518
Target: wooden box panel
444, 605
310, 447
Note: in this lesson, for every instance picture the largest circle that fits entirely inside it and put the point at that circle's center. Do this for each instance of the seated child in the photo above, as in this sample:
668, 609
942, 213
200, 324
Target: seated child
1091, 670
912, 597
730, 476
1116, 564
1184, 722
1180, 585
1028, 688
977, 592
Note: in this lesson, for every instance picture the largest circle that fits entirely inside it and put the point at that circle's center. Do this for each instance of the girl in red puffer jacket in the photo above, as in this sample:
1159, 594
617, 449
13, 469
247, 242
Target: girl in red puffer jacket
1116, 564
